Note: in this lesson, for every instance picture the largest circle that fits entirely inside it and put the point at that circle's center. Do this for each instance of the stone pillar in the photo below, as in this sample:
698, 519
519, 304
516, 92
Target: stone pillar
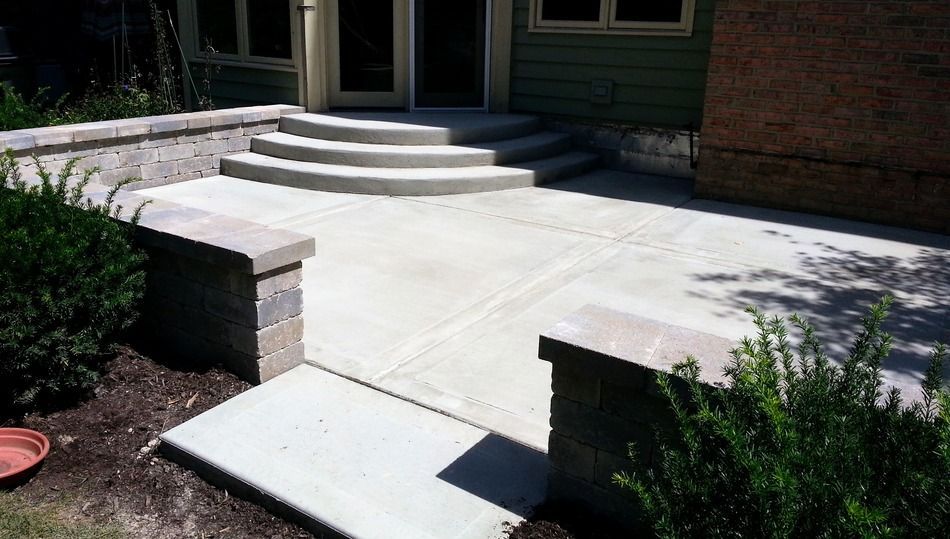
604, 366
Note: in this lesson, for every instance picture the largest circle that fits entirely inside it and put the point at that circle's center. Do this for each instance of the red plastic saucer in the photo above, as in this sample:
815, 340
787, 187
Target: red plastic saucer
21, 452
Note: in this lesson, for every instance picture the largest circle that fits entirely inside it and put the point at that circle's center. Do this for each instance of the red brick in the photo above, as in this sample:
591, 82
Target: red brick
822, 83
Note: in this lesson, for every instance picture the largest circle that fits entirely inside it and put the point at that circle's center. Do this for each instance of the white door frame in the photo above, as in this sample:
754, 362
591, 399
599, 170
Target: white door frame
316, 67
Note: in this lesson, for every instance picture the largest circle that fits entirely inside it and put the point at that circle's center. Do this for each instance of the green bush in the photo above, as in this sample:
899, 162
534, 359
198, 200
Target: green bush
18, 113
70, 282
114, 102
796, 446
100, 102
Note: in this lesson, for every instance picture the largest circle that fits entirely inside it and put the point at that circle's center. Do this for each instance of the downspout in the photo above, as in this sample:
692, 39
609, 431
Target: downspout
312, 16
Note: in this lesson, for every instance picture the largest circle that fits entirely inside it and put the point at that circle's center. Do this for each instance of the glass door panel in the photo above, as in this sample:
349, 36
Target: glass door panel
449, 53
368, 53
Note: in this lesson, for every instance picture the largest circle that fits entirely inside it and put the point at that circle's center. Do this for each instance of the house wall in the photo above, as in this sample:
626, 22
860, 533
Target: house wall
658, 80
837, 107
233, 82
241, 86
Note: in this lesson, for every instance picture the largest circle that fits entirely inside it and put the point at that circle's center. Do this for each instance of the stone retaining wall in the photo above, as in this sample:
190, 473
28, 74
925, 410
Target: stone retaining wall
157, 149
642, 150
220, 289
604, 365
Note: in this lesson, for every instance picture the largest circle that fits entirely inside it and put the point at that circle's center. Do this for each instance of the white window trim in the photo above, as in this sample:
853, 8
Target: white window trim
243, 57
608, 23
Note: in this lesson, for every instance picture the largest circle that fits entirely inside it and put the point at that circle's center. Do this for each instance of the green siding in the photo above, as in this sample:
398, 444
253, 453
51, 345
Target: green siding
658, 80
233, 86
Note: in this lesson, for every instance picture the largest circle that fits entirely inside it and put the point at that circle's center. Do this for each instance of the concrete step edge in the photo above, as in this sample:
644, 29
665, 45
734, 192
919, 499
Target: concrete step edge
405, 182
411, 129
527, 148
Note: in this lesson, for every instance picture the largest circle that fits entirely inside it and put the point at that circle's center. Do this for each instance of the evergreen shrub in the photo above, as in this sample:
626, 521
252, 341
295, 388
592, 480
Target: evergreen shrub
70, 282
798, 446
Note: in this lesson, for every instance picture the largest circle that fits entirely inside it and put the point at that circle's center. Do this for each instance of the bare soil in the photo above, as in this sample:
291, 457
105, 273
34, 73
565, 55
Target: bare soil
104, 465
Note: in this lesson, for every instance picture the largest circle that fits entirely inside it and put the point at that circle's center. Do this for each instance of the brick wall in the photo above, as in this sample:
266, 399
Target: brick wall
839, 107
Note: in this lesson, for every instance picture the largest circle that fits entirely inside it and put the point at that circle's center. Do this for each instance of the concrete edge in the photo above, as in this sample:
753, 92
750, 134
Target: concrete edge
236, 486
509, 151
392, 133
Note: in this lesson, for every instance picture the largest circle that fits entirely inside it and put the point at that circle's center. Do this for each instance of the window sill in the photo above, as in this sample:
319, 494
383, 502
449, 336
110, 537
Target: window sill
611, 31
276, 65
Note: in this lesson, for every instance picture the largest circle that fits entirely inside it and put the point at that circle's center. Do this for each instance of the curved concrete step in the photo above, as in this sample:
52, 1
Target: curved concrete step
410, 128
297, 148
404, 181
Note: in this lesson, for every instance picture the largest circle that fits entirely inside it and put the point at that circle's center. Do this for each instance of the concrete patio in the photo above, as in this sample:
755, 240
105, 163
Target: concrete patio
440, 300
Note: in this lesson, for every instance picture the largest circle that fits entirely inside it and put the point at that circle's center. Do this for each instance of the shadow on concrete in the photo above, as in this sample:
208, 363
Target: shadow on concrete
835, 288
661, 190
831, 224
502, 472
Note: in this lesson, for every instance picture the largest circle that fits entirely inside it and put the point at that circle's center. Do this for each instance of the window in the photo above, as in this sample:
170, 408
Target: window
658, 17
252, 31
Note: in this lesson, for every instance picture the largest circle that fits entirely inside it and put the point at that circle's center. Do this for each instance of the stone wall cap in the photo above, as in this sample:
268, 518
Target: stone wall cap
236, 244
25, 139
16, 140
606, 339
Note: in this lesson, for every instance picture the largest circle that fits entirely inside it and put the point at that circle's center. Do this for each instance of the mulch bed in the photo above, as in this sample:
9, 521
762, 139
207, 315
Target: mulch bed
104, 465
559, 522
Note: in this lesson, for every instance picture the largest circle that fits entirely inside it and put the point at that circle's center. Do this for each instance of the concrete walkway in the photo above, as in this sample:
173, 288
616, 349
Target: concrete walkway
440, 300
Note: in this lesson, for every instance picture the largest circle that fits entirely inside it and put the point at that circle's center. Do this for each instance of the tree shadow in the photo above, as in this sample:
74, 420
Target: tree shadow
833, 287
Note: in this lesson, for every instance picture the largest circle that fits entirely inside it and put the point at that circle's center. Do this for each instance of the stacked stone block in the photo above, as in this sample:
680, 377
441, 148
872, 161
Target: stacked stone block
219, 289
638, 149
604, 366
253, 324
155, 150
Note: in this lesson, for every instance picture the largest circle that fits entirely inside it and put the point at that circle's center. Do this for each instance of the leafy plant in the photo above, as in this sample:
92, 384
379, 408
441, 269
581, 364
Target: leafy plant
70, 282
166, 77
115, 101
18, 113
797, 446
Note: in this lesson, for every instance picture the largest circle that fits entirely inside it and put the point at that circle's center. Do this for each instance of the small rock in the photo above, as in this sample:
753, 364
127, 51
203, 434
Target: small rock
145, 450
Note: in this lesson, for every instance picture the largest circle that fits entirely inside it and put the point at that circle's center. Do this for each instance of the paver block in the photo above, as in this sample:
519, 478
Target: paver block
268, 283
595, 427
94, 131
571, 456
256, 314
211, 147
114, 176
265, 341
138, 157
159, 170
194, 164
